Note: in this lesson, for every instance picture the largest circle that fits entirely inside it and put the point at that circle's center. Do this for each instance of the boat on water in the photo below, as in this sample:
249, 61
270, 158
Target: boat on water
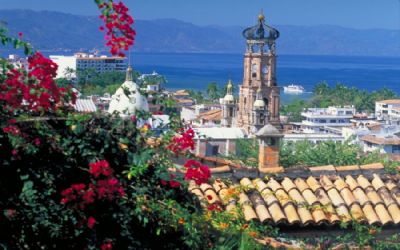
293, 89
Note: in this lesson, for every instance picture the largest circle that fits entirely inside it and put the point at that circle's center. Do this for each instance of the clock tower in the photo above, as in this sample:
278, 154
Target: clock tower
259, 80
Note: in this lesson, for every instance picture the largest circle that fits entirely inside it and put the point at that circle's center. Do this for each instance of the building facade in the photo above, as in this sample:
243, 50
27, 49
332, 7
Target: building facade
386, 108
319, 120
69, 65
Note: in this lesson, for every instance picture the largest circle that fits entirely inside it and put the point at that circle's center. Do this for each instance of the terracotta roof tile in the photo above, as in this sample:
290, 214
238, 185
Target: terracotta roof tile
377, 183
357, 213
370, 214
311, 201
313, 183
373, 166
347, 168
351, 182
322, 168
383, 214
248, 211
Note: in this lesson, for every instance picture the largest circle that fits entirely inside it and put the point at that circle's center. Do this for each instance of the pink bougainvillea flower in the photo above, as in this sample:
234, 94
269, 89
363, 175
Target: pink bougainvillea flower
182, 142
100, 168
91, 222
196, 171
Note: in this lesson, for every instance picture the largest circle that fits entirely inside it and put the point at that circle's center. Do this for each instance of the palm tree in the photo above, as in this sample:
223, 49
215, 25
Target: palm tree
321, 88
212, 91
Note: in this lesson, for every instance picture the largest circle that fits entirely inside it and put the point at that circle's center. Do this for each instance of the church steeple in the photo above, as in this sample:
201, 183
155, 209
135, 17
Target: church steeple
129, 74
259, 79
228, 106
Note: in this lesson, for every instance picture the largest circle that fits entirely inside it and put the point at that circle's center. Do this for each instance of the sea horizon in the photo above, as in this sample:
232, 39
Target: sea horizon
196, 70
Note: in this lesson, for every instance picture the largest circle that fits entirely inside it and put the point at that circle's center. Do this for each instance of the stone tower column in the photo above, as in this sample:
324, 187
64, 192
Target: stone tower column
269, 141
259, 72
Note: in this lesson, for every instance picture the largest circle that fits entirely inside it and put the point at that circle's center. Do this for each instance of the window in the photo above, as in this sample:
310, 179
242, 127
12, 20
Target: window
231, 112
396, 149
254, 70
349, 112
332, 121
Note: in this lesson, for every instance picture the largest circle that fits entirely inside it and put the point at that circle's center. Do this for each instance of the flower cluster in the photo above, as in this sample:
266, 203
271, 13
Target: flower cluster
34, 90
108, 188
196, 171
100, 167
106, 245
117, 22
182, 142
13, 130
172, 182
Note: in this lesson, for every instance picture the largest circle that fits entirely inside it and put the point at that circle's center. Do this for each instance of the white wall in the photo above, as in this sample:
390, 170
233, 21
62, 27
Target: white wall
63, 63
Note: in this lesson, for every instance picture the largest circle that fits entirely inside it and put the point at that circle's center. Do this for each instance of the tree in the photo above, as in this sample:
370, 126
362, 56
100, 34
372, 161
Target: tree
212, 91
69, 73
321, 88
196, 95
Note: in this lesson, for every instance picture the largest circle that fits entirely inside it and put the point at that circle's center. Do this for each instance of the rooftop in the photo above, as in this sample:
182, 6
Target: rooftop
381, 140
219, 133
325, 200
390, 101
211, 115
315, 196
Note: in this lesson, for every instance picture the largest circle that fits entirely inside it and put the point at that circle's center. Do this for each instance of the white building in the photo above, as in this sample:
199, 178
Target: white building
394, 116
66, 66
315, 138
387, 140
319, 120
387, 108
217, 141
84, 61
190, 114
127, 99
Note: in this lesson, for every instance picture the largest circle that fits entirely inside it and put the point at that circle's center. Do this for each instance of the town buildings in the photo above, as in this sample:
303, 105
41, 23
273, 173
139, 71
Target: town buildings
387, 110
319, 120
69, 65
386, 140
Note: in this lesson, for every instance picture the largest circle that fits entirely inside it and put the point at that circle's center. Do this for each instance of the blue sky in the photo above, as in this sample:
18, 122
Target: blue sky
348, 13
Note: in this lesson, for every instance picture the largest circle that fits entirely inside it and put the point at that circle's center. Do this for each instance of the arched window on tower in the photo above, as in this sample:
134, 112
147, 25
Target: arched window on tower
254, 70
265, 71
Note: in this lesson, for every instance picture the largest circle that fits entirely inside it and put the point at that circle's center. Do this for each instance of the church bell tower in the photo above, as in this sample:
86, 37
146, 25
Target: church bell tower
259, 75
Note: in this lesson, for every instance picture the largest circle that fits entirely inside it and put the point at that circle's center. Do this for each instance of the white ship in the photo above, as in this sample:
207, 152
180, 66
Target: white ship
293, 89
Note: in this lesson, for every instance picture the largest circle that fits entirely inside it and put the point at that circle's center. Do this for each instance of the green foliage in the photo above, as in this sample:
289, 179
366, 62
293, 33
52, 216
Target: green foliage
246, 152
338, 95
293, 110
92, 83
213, 92
306, 153
197, 96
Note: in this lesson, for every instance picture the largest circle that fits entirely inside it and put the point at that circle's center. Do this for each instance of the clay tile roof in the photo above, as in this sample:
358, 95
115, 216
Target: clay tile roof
324, 200
391, 101
182, 92
381, 140
211, 115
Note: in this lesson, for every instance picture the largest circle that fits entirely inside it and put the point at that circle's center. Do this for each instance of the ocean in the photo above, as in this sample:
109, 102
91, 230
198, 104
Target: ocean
196, 70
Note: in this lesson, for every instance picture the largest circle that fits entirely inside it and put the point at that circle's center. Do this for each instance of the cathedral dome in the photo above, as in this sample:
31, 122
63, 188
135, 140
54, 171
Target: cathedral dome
259, 104
261, 31
127, 99
229, 93
229, 98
